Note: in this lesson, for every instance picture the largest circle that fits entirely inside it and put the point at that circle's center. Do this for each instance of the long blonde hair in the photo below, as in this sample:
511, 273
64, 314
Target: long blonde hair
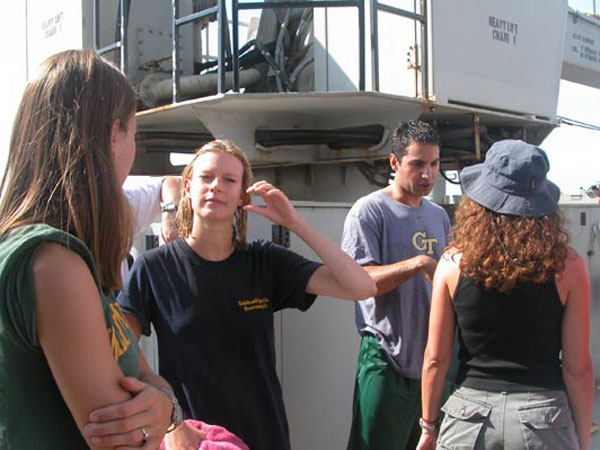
185, 214
60, 168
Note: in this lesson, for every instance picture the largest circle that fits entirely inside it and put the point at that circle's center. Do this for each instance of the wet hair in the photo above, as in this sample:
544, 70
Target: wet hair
60, 168
185, 213
499, 251
411, 132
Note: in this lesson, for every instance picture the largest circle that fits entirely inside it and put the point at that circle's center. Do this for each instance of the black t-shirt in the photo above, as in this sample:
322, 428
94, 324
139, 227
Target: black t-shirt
214, 323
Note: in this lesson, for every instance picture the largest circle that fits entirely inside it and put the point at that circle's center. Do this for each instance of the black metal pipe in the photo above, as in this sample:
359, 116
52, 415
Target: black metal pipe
297, 5
425, 50
460, 133
124, 14
375, 44
222, 21
401, 12
362, 136
227, 40
197, 15
175, 51
361, 45
118, 22
299, 68
250, 57
279, 72
235, 45
172, 135
96, 25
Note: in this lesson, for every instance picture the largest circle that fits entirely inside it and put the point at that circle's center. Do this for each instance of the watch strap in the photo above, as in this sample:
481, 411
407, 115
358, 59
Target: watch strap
177, 413
168, 207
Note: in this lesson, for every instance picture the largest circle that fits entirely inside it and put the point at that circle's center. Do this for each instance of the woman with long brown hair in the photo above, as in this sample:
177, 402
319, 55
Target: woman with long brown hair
519, 296
65, 226
211, 297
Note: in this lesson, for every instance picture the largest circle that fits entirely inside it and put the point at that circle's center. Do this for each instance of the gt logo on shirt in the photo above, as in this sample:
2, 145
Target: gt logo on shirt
422, 243
254, 304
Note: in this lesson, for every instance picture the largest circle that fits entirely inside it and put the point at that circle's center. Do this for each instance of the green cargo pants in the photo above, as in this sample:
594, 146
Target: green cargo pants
386, 406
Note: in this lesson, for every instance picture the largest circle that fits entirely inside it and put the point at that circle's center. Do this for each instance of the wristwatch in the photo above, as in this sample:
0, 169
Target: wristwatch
177, 414
428, 426
168, 207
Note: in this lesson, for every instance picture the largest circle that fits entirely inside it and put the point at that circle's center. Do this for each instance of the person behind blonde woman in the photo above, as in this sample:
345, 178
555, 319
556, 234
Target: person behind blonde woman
211, 297
519, 296
148, 197
65, 349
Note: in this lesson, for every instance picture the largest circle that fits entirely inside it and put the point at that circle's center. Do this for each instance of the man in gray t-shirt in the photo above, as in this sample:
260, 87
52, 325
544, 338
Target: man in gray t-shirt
397, 236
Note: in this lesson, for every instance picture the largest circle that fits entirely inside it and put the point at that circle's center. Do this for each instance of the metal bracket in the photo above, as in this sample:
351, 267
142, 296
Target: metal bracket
280, 235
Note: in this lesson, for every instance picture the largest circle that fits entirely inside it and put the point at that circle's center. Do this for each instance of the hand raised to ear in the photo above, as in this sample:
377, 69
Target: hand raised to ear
277, 209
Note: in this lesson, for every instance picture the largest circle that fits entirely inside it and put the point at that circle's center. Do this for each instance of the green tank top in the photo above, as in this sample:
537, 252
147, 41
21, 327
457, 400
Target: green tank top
33, 414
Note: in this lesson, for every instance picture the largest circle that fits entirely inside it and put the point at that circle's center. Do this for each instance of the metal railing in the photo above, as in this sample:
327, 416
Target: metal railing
224, 50
121, 44
360, 4
376, 6
227, 51
223, 42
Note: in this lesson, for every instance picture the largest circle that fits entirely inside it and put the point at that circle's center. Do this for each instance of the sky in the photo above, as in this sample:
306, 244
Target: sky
574, 152
587, 6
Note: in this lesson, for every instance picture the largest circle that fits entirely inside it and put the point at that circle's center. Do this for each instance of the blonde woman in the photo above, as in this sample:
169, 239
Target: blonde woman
211, 297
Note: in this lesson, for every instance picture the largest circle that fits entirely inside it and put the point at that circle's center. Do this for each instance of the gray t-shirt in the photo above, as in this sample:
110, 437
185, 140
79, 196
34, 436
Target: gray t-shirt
380, 231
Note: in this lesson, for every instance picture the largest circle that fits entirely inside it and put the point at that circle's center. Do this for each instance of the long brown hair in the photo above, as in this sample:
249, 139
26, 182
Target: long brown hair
60, 168
185, 214
499, 250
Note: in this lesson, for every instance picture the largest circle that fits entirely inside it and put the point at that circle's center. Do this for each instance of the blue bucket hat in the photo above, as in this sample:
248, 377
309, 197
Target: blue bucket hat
512, 180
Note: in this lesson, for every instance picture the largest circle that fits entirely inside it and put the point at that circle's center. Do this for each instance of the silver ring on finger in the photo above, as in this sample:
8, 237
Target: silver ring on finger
145, 434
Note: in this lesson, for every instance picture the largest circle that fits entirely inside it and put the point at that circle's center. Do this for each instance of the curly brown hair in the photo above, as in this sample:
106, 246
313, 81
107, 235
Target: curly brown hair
499, 250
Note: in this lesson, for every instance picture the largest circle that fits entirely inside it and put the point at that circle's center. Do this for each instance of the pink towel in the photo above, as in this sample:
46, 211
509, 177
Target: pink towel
217, 437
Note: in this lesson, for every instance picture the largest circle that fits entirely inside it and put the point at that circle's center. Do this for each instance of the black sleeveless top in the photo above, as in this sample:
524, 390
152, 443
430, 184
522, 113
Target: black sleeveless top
509, 342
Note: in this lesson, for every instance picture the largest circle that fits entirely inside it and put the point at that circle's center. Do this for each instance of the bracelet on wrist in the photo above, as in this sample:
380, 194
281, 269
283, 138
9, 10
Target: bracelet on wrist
429, 426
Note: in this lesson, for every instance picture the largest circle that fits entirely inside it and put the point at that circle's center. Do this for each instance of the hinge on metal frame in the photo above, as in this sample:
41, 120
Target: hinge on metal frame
151, 241
280, 235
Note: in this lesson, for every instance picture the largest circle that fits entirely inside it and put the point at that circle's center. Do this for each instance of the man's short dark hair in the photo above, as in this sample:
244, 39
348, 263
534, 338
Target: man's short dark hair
413, 131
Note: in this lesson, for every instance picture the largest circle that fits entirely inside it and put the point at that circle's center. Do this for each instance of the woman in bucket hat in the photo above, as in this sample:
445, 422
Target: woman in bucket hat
519, 296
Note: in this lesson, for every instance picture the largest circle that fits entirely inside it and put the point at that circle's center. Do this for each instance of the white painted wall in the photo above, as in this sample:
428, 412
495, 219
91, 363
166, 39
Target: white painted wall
317, 350
582, 50
505, 55
14, 70
51, 28
32, 30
